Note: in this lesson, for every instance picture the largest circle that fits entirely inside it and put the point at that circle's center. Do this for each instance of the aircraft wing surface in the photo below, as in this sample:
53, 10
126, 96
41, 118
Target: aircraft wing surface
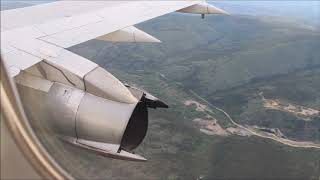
42, 32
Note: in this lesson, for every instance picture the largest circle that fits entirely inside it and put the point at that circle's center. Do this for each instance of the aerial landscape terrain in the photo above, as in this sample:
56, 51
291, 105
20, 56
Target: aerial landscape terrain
243, 92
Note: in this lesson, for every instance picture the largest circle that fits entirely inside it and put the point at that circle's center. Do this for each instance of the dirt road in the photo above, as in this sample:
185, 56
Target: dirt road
272, 137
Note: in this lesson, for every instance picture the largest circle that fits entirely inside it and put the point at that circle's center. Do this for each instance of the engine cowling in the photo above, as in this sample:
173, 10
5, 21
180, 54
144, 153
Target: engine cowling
82, 118
105, 126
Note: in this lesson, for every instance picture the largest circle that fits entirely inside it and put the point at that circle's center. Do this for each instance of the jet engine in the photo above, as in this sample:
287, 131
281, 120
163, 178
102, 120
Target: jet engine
105, 116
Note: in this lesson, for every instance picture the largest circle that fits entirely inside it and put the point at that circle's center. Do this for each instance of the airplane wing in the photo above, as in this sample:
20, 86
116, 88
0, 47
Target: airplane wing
33, 47
41, 32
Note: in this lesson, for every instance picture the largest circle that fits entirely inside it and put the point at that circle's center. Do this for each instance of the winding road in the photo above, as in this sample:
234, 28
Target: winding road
297, 144
275, 138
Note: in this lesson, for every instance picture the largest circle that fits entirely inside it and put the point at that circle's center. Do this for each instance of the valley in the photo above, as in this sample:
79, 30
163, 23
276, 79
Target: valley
210, 72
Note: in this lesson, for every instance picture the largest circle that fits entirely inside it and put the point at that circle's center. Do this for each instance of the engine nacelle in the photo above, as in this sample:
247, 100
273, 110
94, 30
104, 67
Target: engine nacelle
89, 120
102, 125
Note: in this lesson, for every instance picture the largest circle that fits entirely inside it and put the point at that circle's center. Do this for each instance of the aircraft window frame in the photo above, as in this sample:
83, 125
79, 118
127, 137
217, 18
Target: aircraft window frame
13, 115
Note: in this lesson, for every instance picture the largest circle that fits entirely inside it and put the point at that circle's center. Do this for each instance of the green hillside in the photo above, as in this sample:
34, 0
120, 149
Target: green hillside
227, 60
212, 54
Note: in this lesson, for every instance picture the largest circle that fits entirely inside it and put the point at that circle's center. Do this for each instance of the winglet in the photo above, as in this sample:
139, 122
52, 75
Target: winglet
129, 34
